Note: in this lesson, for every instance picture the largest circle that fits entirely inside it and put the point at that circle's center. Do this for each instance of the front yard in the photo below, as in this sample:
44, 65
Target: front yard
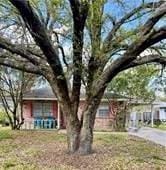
46, 150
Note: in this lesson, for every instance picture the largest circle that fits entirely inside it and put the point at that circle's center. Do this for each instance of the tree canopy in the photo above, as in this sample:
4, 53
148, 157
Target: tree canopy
136, 83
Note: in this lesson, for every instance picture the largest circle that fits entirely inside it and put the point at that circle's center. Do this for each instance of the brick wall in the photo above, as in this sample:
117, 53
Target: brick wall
27, 110
103, 123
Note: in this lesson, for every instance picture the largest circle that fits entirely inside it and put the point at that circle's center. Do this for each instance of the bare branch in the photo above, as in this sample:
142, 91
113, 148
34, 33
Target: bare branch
18, 49
24, 66
63, 55
153, 58
130, 14
160, 12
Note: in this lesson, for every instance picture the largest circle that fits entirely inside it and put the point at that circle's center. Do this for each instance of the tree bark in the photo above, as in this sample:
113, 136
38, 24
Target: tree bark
80, 133
72, 127
73, 137
86, 134
14, 120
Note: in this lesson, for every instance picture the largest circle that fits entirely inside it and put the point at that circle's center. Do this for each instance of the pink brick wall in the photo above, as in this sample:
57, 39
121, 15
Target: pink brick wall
55, 109
27, 110
106, 122
100, 122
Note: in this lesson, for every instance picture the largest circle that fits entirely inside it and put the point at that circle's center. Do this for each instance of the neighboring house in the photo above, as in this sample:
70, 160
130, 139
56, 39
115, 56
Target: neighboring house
41, 110
147, 113
159, 111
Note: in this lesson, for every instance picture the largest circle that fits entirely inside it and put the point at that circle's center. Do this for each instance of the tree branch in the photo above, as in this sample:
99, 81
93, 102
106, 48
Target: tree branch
95, 27
18, 49
139, 45
129, 15
63, 55
24, 66
80, 12
134, 50
159, 13
38, 32
153, 58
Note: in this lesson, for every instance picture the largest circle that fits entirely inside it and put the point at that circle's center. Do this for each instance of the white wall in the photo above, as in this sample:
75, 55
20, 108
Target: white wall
162, 113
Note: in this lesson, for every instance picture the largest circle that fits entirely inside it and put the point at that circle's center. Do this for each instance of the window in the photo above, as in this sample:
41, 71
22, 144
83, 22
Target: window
103, 112
42, 109
147, 116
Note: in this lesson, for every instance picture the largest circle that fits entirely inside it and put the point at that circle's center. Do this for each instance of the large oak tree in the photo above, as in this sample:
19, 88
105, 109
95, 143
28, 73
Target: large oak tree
105, 38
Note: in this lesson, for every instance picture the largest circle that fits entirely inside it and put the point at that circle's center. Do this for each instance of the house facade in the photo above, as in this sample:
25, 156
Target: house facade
41, 110
147, 113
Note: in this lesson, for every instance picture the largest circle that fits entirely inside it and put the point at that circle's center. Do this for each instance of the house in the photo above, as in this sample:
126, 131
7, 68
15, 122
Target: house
144, 113
41, 110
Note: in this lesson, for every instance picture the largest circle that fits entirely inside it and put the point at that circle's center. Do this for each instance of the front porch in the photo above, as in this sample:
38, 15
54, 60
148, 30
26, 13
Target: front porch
42, 114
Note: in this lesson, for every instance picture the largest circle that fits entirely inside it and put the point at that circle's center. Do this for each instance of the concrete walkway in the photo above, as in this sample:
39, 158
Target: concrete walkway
152, 134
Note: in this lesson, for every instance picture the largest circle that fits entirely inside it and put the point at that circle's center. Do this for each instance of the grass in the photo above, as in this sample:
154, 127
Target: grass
161, 126
5, 134
44, 150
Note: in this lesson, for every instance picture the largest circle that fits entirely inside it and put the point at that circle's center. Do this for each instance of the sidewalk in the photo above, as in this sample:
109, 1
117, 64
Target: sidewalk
152, 134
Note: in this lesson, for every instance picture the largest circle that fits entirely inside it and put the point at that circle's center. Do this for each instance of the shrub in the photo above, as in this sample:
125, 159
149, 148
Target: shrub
157, 122
3, 118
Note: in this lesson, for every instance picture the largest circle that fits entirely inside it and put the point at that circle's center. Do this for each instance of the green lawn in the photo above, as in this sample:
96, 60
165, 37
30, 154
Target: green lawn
161, 127
46, 150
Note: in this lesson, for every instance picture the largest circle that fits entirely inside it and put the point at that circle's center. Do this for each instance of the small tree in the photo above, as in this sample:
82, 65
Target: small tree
134, 84
13, 84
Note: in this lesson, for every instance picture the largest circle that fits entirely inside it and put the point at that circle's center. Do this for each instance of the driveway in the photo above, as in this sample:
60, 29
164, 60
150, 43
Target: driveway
152, 134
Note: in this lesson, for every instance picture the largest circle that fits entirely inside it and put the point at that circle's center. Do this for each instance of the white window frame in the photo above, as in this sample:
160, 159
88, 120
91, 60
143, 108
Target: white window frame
102, 115
42, 107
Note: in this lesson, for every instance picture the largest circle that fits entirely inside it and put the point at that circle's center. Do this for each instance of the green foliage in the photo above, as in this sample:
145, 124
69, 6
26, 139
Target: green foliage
4, 134
135, 82
161, 126
157, 122
3, 117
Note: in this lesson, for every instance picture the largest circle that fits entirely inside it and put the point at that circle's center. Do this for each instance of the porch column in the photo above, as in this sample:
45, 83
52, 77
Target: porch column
58, 121
152, 116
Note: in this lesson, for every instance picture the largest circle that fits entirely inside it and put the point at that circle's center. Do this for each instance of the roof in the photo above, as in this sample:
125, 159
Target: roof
46, 93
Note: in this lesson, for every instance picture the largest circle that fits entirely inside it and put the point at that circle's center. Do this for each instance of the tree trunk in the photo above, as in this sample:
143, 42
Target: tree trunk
73, 129
80, 137
86, 136
21, 119
73, 137
14, 120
